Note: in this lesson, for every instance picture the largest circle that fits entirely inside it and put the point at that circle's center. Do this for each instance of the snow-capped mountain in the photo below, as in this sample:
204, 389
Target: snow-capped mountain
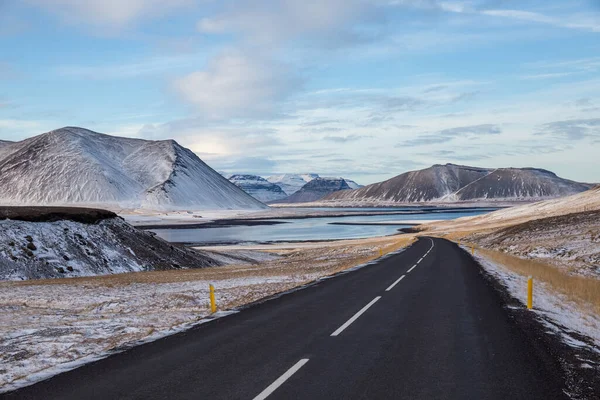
316, 189
258, 187
462, 183
291, 183
352, 184
77, 166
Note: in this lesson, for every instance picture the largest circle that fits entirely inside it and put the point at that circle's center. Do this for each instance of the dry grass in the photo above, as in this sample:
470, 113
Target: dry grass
584, 291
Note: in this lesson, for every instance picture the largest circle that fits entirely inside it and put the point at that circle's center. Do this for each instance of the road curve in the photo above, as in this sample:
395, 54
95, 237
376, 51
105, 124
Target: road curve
423, 324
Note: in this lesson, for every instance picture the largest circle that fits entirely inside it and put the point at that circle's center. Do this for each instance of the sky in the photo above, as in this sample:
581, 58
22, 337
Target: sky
360, 89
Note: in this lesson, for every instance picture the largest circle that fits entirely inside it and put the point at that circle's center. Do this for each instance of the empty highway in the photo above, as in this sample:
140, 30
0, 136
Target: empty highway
421, 324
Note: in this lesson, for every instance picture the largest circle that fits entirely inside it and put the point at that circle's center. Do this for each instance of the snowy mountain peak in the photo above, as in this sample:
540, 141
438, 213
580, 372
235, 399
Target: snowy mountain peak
77, 166
258, 187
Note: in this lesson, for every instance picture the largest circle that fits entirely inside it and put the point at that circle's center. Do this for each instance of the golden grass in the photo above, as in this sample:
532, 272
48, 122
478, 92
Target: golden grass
583, 290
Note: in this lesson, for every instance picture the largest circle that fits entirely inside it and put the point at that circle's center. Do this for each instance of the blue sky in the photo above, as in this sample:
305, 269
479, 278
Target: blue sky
353, 88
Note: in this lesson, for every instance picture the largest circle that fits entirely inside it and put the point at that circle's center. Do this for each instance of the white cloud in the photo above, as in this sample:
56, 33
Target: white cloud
574, 22
114, 13
235, 85
268, 21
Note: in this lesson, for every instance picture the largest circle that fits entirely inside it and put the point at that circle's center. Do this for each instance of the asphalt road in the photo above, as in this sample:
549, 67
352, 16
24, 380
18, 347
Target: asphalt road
393, 330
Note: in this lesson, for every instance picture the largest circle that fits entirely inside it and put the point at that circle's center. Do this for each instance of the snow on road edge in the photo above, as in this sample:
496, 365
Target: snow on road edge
560, 315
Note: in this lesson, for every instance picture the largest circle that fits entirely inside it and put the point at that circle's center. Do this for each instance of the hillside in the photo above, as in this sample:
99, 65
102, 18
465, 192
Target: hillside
451, 183
258, 187
55, 242
75, 166
316, 190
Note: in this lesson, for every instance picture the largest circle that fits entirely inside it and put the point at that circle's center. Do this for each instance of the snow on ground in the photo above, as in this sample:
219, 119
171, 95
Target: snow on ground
50, 326
562, 315
60, 249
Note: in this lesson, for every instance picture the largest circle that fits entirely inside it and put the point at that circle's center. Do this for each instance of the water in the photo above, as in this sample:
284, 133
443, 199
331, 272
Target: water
310, 228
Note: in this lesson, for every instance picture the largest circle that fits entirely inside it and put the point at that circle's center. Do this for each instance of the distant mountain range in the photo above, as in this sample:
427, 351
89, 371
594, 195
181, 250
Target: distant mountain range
316, 190
291, 183
75, 166
258, 187
282, 188
454, 183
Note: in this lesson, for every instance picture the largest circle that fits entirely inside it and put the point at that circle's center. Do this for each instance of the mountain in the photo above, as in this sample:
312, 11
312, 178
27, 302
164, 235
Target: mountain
451, 183
352, 184
316, 190
291, 183
77, 166
258, 187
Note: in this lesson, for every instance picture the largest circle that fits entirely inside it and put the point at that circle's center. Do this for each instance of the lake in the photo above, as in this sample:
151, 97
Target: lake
309, 229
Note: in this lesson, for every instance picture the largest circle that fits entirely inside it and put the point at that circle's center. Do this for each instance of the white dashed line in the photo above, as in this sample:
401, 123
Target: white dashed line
281, 380
411, 268
395, 283
355, 317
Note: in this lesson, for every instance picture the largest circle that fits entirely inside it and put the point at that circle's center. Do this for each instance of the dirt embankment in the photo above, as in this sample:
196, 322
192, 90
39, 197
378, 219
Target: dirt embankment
53, 214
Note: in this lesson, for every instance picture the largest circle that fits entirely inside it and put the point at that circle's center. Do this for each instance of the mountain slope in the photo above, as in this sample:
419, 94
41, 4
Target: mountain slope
56, 242
78, 166
258, 187
316, 190
463, 183
352, 184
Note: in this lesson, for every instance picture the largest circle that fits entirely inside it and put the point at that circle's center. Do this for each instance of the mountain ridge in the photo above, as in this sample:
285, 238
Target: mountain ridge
452, 182
74, 165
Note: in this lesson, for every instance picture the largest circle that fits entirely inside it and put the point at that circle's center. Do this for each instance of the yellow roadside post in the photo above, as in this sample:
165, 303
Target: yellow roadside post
472, 250
530, 292
380, 252
213, 303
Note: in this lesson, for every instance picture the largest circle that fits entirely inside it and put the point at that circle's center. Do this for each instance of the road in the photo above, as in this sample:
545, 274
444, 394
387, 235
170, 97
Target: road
422, 324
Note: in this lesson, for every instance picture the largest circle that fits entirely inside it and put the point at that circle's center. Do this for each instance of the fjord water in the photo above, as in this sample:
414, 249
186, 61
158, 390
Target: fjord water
310, 229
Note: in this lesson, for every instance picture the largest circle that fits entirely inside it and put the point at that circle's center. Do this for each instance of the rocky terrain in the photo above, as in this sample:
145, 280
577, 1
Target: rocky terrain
48, 242
258, 187
75, 166
455, 183
316, 190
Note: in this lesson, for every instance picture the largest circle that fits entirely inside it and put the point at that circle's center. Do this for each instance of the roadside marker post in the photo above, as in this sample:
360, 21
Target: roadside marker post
380, 252
530, 293
213, 303
472, 250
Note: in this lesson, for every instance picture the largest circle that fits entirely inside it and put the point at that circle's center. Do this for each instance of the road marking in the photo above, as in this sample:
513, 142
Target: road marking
395, 283
281, 380
411, 268
355, 317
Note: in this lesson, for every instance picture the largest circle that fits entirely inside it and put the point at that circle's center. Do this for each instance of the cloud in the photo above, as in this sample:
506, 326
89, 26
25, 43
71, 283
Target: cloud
573, 129
546, 76
346, 139
579, 22
237, 85
148, 67
275, 21
115, 13
247, 165
447, 135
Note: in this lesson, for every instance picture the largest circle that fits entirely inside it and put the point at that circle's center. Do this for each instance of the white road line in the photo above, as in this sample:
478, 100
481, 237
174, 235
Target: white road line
355, 317
395, 283
281, 380
418, 262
